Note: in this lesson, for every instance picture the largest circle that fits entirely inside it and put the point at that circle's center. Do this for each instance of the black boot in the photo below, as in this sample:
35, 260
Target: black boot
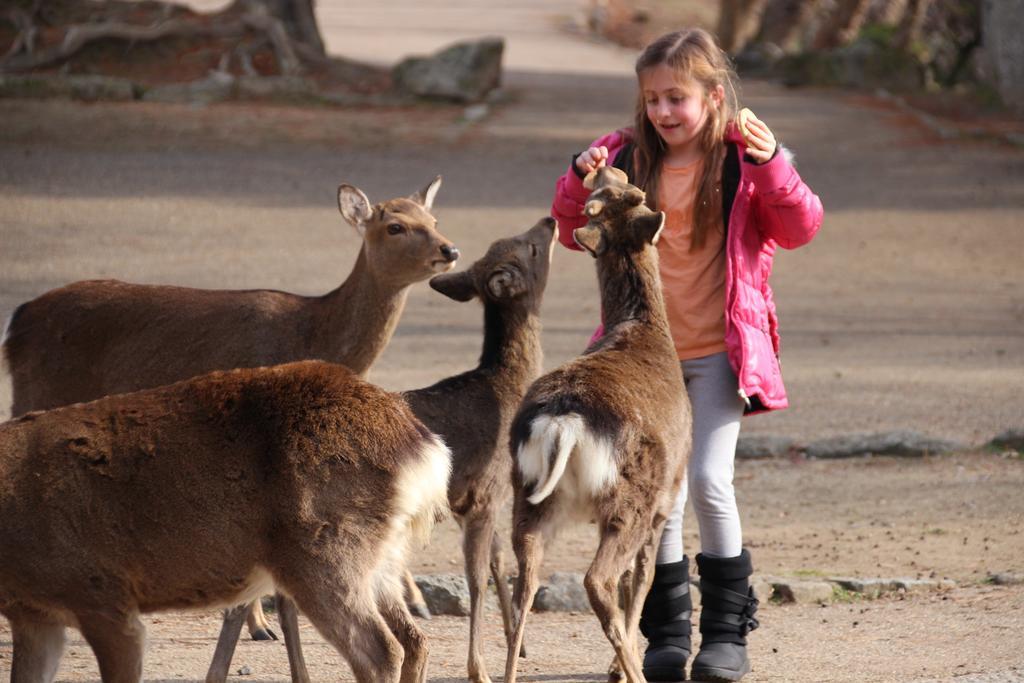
665, 622
727, 613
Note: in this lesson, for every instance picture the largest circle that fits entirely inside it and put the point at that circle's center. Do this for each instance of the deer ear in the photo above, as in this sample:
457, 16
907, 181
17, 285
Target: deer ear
457, 286
634, 196
590, 239
425, 197
649, 226
506, 284
354, 206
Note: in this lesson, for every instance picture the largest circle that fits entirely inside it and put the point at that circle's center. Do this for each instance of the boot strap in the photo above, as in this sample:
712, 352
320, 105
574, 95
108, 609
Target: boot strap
720, 609
679, 626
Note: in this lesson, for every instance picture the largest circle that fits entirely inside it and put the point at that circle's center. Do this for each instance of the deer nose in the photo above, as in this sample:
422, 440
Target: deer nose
450, 253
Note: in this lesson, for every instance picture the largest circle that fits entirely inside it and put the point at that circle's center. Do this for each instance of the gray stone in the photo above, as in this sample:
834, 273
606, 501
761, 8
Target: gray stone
1010, 439
217, 87
873, 588
1003, 38
802, 591
905, 443
564, 592
275, 87
87, 87
764, 446
1007, 578
463, 72
445, 593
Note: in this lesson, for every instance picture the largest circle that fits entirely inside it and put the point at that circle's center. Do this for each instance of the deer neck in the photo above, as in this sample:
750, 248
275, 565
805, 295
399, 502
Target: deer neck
631, 289
511, 341
359, 318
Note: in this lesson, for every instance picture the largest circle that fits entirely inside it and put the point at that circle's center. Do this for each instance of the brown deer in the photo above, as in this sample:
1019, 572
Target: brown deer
472, 411
300, 477
607, 435
99, 337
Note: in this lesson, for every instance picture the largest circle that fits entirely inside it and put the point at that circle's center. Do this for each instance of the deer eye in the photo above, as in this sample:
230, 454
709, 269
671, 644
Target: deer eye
395, 228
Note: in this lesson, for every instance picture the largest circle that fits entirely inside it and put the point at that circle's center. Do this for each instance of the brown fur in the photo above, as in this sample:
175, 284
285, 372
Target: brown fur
472, 412
627, 391
176, 497
99, 337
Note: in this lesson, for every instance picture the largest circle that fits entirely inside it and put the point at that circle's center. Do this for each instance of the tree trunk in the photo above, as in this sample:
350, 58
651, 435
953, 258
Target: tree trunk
909, 32
298, 19
843, 25
738, 22
786, 22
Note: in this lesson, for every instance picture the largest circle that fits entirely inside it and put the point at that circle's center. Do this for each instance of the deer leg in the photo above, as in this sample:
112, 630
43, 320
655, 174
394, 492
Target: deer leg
528, 541
117, 641
413, 597
288, 615
395, 612
616, 552
230, 630
501, 585
38, 646
256, 622
476, 541
350, 621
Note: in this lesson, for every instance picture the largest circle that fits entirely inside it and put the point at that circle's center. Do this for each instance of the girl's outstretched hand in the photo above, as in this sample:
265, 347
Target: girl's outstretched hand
759, 137
593, 158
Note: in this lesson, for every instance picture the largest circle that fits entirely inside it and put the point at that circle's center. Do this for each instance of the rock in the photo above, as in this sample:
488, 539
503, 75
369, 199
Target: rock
758, 59
802, 591
445, 593
872, 588
1011, 439
217, 87
245, 671
1003, 28
903, 443
275, 88
463, 72
87, 88
1007, 579
764, 446
564, 592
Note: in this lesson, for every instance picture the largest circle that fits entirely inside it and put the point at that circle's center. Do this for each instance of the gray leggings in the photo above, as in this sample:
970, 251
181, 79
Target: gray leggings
717, 409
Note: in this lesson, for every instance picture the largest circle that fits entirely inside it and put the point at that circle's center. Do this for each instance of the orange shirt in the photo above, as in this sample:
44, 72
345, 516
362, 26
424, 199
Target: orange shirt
693, 283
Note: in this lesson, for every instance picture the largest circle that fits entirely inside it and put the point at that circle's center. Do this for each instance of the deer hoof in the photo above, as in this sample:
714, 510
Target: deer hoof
264, 634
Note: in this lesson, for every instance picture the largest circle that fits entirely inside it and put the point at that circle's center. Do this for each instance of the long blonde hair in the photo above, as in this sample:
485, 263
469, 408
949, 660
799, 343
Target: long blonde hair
691, 54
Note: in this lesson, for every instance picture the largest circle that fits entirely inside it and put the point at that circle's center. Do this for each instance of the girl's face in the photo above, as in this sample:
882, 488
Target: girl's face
678, 109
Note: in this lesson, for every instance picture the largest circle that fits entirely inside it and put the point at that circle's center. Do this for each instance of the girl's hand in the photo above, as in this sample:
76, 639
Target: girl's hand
760, 140
593, 158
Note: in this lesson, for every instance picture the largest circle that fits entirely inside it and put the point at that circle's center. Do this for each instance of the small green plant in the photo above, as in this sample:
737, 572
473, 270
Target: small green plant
844, 595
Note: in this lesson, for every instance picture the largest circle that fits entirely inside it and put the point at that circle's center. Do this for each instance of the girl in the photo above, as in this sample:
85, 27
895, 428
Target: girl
730, 197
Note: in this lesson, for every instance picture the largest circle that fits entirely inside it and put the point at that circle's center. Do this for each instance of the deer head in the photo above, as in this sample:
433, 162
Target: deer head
617, 214
513, 269
400, 237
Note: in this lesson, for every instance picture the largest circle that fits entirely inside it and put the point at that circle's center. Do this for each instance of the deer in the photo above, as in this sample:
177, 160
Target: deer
471, 412
606, 436
300, 477
97, 337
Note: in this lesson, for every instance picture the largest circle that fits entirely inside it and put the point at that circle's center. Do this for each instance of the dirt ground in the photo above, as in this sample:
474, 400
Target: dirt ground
906, 312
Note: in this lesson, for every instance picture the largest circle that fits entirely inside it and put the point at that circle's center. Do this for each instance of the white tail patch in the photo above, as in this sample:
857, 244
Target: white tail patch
421, 500
6, 380
544, 459
423, 489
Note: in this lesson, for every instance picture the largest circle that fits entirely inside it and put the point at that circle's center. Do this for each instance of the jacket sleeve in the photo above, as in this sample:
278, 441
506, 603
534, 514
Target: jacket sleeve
570, 195
789, 211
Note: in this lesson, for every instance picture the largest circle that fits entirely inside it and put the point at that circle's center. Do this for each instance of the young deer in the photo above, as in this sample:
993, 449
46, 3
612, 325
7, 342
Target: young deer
300, 477
99, 337
472, 412
606, 436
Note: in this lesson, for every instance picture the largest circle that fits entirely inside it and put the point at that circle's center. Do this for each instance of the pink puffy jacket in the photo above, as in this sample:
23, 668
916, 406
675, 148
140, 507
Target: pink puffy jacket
772, 206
